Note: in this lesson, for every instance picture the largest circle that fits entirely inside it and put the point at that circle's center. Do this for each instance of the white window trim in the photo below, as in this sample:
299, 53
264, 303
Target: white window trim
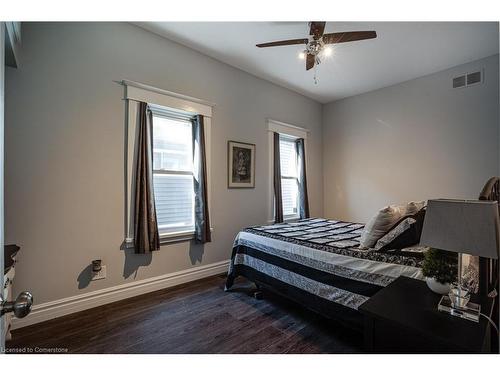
294, 132
141, 92
137, 92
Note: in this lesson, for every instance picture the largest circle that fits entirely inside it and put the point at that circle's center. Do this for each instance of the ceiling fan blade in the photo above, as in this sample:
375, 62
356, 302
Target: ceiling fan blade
283, 43
317, 29
350, 36
310, 59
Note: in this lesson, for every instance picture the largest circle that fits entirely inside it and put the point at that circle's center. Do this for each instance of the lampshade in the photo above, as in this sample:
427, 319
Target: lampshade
462, 226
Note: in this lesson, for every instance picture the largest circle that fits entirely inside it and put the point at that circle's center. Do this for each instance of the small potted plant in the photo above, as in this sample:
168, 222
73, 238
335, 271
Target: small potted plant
440, 270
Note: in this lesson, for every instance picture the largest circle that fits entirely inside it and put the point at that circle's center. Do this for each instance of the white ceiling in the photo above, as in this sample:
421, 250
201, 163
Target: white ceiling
401, 51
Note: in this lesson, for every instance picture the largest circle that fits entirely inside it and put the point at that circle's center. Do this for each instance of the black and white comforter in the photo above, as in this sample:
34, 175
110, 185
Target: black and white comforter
318, 261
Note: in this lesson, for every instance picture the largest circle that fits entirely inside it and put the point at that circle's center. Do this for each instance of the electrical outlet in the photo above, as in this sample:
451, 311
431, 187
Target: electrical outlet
99, 275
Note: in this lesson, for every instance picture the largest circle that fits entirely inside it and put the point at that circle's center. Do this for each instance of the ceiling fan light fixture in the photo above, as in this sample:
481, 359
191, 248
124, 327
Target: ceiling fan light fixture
314, 47
316, 44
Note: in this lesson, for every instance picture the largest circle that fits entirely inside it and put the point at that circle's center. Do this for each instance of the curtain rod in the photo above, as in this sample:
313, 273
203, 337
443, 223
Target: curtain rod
126, 82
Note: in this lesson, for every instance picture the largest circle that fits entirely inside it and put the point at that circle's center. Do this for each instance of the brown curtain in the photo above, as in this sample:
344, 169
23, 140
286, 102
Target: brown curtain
146, 237
201, 215
278, 200
303, 197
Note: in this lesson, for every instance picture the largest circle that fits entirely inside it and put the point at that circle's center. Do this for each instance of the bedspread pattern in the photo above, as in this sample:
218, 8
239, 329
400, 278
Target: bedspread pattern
319, 257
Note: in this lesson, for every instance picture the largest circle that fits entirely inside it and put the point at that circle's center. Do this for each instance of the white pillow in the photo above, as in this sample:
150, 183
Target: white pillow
380, 224
413, 207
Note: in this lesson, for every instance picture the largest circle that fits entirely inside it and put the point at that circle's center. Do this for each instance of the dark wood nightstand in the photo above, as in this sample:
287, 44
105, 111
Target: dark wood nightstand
403, 318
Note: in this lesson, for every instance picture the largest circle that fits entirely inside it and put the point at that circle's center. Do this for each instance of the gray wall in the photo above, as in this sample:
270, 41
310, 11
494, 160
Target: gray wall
416, 140
64, 175
65, 130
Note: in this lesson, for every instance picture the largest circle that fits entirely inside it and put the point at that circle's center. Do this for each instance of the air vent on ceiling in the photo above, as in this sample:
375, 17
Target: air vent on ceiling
468, 79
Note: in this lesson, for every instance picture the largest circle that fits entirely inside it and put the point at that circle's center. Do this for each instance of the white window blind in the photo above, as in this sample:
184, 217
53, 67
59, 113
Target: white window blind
173, 173
289, 176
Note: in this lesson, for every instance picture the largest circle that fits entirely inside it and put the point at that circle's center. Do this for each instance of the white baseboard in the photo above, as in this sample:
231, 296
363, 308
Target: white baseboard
65, 306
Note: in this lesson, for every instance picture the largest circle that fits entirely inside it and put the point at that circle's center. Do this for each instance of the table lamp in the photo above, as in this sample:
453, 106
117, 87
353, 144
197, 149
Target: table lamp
462, 226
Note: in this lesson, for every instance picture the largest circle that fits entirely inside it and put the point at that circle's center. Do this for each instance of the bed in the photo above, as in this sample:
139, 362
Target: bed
317, 263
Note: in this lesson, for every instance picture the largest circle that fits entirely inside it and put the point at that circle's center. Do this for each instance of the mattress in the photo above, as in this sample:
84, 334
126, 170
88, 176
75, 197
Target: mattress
319, 261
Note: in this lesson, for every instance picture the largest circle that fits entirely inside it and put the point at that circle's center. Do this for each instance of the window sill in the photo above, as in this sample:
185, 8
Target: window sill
166, 239
285, 219
176, 237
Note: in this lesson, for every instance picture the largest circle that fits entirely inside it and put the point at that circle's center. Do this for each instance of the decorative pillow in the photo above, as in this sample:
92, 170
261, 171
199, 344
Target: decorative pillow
413, 207
405, 233
380, 224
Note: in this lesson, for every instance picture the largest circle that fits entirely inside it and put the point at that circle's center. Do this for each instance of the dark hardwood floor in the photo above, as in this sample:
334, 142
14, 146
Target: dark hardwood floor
198, 317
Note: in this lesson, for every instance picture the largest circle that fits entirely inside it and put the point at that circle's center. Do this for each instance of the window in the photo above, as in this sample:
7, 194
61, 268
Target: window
289, 176
172, 157
289, 168
173, 173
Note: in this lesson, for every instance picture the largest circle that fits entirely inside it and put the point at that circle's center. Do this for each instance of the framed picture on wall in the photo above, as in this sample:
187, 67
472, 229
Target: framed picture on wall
240, 165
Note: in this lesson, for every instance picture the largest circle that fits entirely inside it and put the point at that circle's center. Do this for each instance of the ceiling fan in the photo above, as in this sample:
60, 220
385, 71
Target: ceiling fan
317, 41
